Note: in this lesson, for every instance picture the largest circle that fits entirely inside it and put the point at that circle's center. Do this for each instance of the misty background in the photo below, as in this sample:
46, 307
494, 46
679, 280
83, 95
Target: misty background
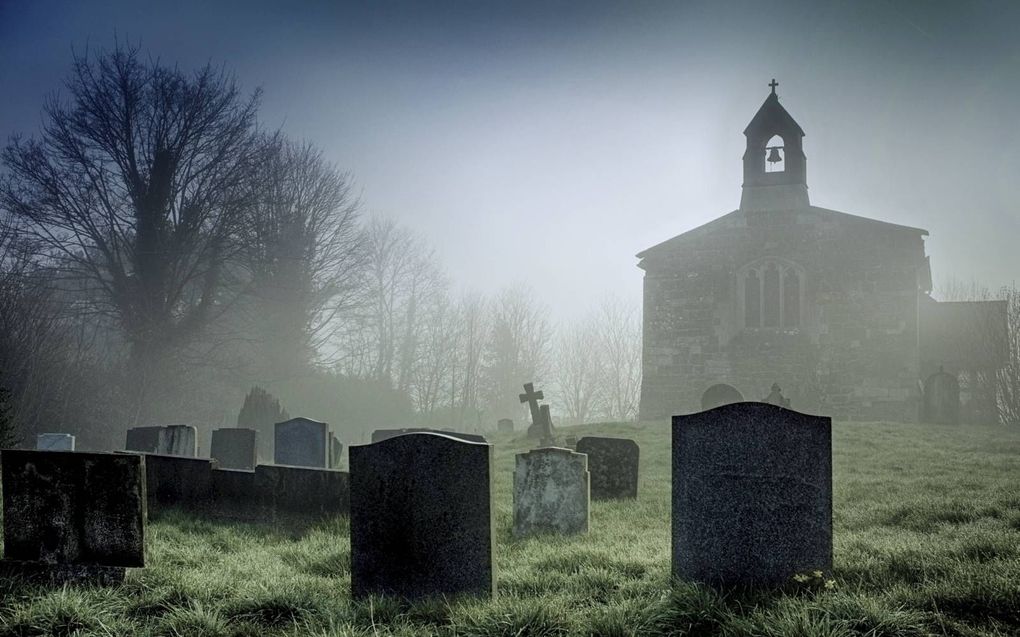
548, 143
525, 152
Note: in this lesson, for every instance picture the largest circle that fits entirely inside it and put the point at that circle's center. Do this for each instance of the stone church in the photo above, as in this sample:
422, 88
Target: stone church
833, 307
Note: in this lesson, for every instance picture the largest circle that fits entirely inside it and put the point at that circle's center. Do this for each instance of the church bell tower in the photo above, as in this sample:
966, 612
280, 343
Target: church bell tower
775, 168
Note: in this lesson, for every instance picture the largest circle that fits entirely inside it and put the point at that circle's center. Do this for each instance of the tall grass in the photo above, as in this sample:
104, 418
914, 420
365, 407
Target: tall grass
927, 542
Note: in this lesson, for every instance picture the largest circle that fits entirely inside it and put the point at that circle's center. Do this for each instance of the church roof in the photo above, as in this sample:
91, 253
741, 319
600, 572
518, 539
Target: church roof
772, 115
738, 216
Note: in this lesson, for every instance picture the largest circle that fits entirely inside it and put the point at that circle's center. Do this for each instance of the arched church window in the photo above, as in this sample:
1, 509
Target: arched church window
775, 155
773, 292
752, 300
770, 297
791, 298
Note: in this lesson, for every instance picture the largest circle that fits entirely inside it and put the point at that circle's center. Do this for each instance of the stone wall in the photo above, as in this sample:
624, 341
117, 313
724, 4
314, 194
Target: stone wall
855, 352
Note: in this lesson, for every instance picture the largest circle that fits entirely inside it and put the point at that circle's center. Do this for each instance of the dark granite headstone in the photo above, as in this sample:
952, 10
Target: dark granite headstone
613, 464
302, 492
302, 442
422, 517
719, 395
234, 448
173, 440
144, 439
74, 510
384, 434
178, 482
234, 495
752, 495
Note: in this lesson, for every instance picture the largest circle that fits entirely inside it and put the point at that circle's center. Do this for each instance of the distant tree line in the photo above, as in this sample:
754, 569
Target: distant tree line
161, 253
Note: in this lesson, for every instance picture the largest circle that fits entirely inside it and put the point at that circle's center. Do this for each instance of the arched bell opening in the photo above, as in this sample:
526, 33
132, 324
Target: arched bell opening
775, 155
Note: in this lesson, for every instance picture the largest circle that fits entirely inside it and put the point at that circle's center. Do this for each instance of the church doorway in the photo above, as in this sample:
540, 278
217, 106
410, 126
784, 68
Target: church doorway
941, 401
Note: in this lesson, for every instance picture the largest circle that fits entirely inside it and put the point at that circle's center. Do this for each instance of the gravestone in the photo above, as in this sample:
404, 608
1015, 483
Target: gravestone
383, 434
234, 496
422, 517
73, 516
54, 442
234, 448
172, 440
144, 439
541, 426
336, 451
301, 493
752, 495
571, 442
178, 482
941, 403
719, 395
613, 463
505, 426
551, 492
302, 442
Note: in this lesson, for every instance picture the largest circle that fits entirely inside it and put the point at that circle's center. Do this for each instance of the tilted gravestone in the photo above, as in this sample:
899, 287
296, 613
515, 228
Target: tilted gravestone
505, 426
422, 517
752, 495
551, 492
384, 434
54, 442
234, 448
613, 463
301, 442
171, 440
72, 515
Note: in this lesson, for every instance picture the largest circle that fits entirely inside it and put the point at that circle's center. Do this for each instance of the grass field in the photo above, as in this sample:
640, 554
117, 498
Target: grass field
927, 542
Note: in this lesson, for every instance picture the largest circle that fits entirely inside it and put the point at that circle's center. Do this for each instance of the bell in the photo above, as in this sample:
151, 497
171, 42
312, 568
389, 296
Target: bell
774, 155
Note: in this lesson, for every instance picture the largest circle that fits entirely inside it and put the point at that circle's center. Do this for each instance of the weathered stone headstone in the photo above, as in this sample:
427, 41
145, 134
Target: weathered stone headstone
384, 434
302, 442
172, 440
719, 395
336, 452
234, 448
422, 517
69, 515
613, 463
571, 442
941, 401
505, 426
752, 495
551, 492
54, 442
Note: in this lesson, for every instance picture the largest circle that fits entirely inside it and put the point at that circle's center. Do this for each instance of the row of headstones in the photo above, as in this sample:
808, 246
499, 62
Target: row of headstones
753, 505
298, 442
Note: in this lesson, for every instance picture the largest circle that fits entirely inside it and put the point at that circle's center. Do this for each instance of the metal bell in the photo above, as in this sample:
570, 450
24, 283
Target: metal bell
774, 155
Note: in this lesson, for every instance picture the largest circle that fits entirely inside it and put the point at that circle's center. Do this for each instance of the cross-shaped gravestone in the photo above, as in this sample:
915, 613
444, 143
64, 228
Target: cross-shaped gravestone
532, 397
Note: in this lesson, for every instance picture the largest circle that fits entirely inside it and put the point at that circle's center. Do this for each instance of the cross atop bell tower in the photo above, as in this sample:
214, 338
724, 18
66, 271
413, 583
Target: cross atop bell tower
775, 167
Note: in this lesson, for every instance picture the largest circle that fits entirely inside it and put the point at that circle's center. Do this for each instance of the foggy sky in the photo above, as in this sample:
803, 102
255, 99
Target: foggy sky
547, 143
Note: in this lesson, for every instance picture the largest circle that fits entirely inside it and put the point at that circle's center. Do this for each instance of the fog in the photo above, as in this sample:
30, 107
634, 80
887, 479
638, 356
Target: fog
547, 145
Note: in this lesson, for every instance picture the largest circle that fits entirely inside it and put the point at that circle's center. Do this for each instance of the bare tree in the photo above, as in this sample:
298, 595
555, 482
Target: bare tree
135, 190
619, 345
578, 369
518, 351
303, 249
